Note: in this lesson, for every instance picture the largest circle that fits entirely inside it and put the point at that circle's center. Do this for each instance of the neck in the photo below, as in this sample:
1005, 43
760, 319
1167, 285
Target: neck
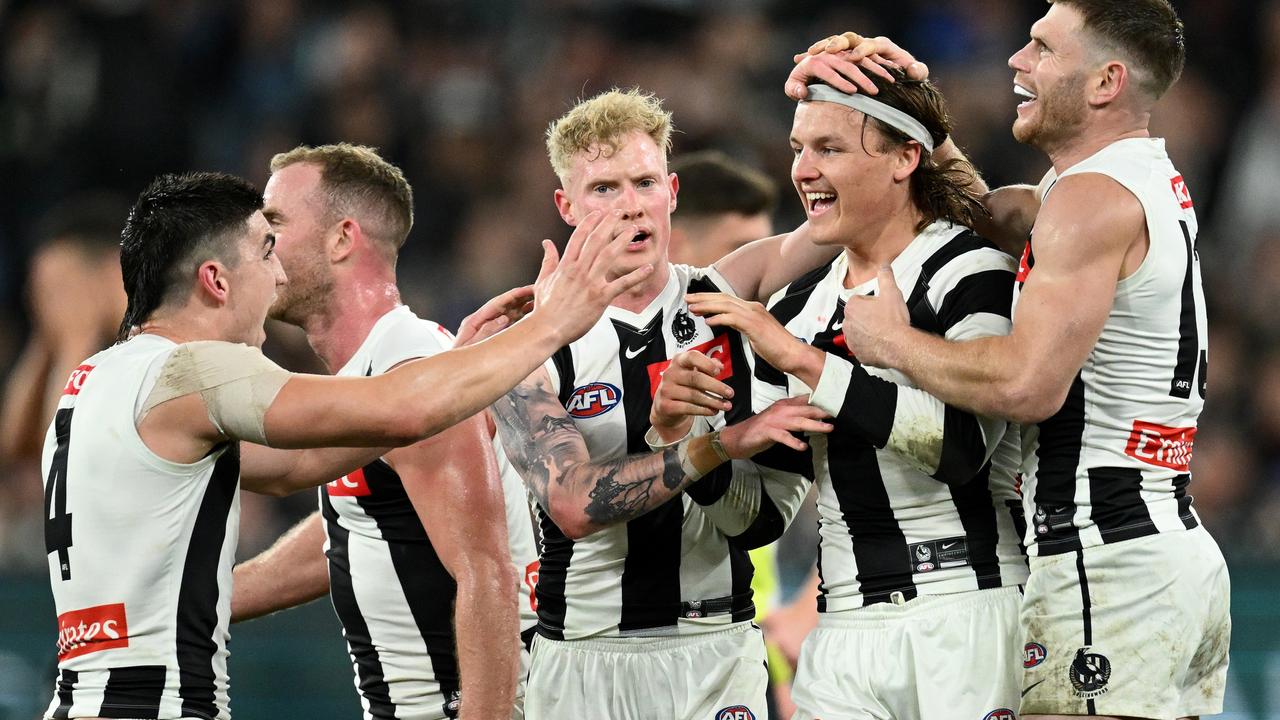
878, 245
1085, 144
337, 330
186, 325
638, 298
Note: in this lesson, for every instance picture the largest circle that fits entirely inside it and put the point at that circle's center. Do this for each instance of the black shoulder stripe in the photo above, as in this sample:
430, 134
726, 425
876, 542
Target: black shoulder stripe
988, 291
797, 294
563, 360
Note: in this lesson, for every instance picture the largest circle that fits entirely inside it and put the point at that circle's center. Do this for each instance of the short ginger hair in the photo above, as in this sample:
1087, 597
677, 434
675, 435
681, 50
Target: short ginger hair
601, 121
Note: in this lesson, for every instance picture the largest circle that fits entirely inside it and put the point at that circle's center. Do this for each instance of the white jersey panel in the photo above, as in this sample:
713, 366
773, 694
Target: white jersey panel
1113, 463
141, 551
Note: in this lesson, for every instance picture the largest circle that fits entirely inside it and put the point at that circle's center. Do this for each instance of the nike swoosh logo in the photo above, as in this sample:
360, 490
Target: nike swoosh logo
1030, 687
948, 546
632, 352
838, 325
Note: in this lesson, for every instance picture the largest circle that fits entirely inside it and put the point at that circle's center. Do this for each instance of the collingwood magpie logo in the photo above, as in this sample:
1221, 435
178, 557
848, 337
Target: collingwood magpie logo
682, 328
1089, 673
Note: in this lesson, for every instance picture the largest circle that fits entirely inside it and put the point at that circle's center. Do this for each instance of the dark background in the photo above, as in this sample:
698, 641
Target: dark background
101, 95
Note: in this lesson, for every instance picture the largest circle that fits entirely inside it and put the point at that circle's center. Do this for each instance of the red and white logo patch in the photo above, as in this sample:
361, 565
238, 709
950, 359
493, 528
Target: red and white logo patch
1167, 447
716, 348
351, 485
1181, 192
1024, 264
76, 381
90, 630
531, 582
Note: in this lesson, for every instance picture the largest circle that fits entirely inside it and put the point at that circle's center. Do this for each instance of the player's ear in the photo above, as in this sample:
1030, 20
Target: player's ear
213, 281
565, 206
344, 239
906, 160
1108, 83
674, 182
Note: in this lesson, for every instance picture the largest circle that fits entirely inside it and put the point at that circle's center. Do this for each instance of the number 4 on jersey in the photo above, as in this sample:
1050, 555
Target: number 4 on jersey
57, 521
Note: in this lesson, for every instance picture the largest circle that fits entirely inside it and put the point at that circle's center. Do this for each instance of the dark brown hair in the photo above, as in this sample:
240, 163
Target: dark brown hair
1147, 32
712, 183
940, 191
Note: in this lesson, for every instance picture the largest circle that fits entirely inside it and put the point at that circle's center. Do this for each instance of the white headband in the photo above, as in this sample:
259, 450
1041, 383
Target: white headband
891, 116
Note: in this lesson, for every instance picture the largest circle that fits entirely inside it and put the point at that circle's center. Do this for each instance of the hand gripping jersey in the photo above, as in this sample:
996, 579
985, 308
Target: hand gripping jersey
672, 570
1113, 463
915, 497
140, 551
390, 590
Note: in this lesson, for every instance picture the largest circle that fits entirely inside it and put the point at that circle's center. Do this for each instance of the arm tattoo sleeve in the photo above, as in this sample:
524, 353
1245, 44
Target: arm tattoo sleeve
547, 449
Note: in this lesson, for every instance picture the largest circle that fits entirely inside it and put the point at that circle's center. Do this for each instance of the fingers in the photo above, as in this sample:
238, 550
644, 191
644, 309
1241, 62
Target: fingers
888, 285
696, 361
581, 233
833, 70
681, 408
620, 285
603, 247
550, 261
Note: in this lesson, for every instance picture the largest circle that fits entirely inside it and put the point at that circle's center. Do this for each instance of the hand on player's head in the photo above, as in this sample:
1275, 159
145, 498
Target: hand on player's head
573, 290
844, 61
689, 388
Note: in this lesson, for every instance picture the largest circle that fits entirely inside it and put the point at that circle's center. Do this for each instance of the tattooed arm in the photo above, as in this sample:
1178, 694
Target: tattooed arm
583, 496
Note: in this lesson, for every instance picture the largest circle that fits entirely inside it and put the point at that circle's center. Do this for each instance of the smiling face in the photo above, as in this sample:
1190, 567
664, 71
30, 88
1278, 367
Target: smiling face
298, 213
634, 179
844, 183
1051, 72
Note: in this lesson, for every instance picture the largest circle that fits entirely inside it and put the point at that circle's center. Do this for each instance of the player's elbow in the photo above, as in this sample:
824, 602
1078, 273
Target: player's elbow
1029, 400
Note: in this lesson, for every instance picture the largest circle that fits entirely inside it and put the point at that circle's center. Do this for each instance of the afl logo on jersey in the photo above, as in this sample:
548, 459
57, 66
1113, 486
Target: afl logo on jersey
737, 712
1001, 714
593, 399
1033, 654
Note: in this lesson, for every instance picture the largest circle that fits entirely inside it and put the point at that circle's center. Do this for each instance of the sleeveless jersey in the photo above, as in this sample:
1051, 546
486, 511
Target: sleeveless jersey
670, 571
140, 551
391, 591
891, 521
1113, 463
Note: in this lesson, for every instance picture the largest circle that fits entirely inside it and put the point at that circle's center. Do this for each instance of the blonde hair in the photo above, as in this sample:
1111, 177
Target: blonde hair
601, 121
355, 178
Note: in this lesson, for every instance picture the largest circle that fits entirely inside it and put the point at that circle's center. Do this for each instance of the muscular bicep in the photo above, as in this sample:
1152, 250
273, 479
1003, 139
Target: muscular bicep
1081, 237
452, 480
539, 437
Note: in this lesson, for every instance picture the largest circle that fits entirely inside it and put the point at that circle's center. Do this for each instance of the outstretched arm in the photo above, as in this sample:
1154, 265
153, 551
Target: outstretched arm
271, 471
291, 572
761, 268
583, 496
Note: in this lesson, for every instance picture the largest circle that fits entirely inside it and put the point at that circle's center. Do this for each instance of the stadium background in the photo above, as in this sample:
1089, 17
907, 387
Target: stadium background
98, 96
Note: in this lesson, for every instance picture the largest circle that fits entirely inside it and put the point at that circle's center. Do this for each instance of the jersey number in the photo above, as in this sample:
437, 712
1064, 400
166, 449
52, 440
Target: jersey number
1190, 356
57, 521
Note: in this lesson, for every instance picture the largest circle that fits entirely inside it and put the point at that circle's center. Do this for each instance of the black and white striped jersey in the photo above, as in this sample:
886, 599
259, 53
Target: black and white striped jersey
391, 591
915, 497
140, 551
672, 570
1114, 462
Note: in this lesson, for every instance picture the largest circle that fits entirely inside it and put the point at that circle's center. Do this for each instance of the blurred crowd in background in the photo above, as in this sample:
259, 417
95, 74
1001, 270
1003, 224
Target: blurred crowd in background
99, 96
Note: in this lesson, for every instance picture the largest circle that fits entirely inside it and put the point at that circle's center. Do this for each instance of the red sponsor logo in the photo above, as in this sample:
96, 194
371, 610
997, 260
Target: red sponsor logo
352, 485
1024, 265
1167, 447
531, 582
81, 632
716, 348
76, 381
1181, 192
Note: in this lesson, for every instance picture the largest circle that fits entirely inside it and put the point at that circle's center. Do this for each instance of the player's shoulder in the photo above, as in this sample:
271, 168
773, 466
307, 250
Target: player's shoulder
399, 336
967, 251
1089, 208
701, 279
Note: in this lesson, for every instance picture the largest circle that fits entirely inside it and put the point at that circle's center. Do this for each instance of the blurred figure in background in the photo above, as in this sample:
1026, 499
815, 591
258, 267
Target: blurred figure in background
77, 300
724, 204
